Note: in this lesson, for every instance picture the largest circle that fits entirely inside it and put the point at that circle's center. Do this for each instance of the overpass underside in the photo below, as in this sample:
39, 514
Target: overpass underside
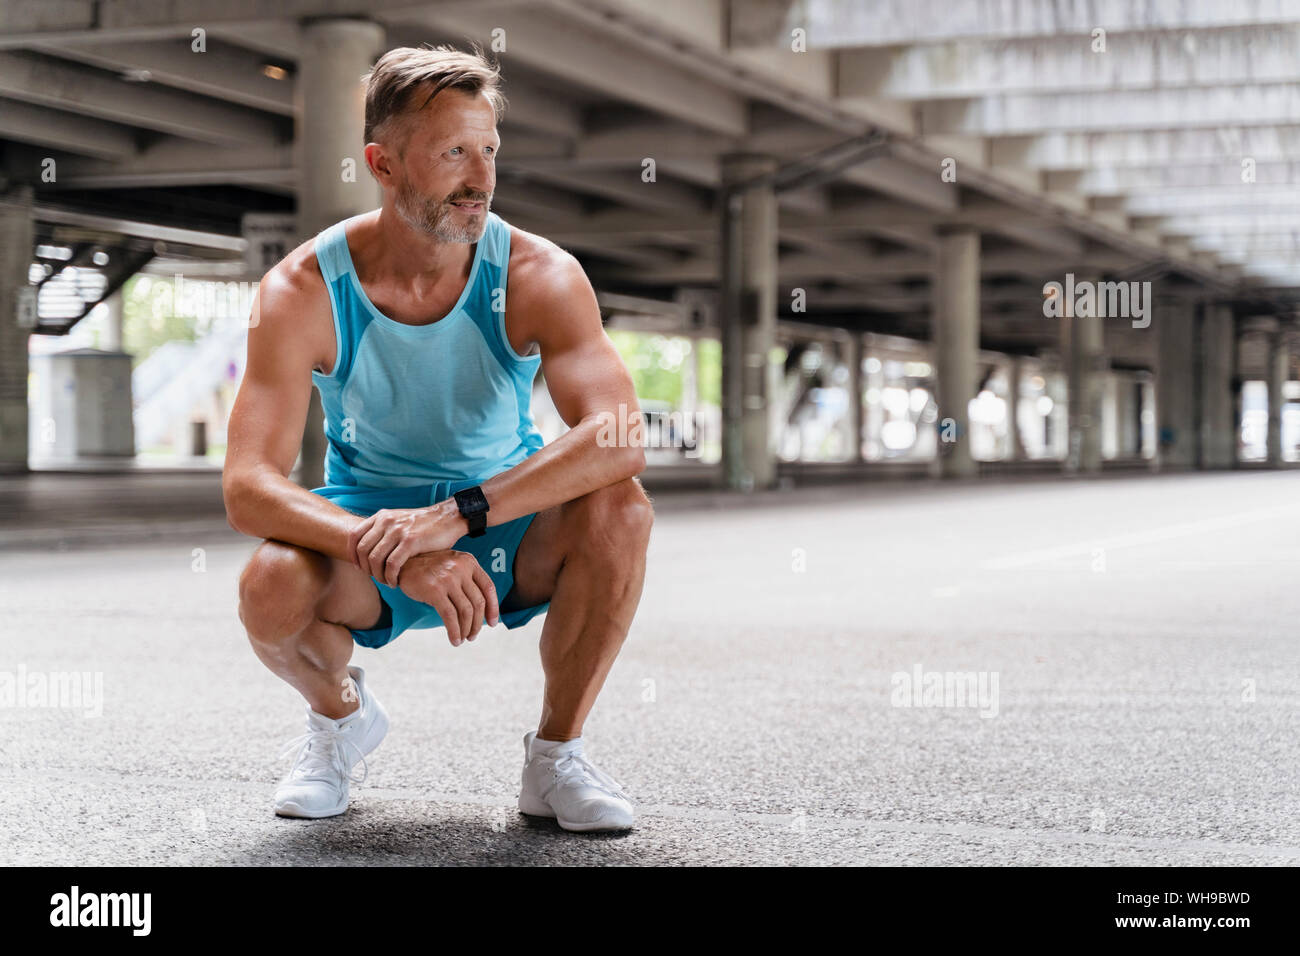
1092, 222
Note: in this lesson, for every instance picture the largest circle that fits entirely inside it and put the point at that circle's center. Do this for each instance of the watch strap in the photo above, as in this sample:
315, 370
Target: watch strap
473, 505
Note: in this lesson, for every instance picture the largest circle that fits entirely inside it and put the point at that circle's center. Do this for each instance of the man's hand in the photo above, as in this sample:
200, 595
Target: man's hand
382, 543
457, 587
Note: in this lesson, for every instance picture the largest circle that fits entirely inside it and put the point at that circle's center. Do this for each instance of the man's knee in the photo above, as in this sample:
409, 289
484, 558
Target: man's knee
616, 520
280, 589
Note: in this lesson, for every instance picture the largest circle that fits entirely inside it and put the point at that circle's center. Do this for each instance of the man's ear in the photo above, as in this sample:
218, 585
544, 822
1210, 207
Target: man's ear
380, 163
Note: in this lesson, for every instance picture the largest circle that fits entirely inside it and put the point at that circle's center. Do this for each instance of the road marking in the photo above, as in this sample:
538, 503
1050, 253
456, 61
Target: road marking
1135, 538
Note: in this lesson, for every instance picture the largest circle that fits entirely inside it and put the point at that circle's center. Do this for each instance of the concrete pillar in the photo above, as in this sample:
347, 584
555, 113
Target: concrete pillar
748, 318
1175, 328
956, 336
1149, 436
330, 107
330, 113
1278, 364
1015, 375
1218, 358
112, 341
1238, 398
853, 358
116, 403
875, 413
1136, 416
1086, 366
1128, 415
1056, 423
1111, 407
691, 396
15, 260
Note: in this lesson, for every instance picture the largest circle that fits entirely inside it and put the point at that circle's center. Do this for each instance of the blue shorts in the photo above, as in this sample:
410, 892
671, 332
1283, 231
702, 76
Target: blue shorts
495, 550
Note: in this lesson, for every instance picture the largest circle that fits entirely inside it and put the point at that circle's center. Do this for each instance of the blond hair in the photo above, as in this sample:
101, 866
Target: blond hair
402, 71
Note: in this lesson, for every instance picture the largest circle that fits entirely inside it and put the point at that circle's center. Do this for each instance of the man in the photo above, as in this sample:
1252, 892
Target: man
441, 507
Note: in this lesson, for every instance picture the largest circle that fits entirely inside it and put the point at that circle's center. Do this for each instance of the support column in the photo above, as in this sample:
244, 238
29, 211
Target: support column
691, 397
748, 279
853, 356
1086, 364
1148, 423
1015, 374
1056, 424
1175, 395
113, 323
1111, 407
956, 336
1218, 358
875, 413
15, 260
1278, 365
115, 401
330, 110
1128, 415
1238, 397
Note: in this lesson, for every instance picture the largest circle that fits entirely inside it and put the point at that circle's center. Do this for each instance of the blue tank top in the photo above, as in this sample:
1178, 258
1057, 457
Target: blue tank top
413, 405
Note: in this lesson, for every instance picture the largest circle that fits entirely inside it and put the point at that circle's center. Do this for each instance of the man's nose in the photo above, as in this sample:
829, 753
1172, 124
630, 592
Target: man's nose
482, 178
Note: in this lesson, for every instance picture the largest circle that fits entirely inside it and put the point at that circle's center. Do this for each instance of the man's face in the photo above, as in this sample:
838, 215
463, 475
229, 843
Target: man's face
449, 159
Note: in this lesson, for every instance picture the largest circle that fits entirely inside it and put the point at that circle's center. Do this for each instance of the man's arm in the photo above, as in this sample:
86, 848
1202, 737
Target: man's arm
591, 388
268, 418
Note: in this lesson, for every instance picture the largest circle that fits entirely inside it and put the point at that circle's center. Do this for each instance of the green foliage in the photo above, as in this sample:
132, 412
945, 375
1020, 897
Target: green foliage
710, 380
656, 363
149, 319
655, 367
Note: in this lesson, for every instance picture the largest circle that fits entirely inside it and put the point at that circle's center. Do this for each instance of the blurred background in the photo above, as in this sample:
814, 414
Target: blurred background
856, 256
156, 167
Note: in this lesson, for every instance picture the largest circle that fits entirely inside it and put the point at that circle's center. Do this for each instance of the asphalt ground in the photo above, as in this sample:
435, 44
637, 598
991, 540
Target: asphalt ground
1135, 639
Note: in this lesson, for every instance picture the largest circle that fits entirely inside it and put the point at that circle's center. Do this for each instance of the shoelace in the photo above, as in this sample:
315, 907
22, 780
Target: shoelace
577, 762
314, 763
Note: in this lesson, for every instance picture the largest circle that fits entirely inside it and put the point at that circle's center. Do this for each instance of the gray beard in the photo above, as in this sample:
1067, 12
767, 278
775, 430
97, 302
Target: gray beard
436, 219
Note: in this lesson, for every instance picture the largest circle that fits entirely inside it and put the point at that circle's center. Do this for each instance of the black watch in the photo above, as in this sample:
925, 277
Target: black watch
473, 504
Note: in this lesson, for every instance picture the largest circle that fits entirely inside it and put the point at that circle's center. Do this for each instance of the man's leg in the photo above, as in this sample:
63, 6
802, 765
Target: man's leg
587, 557
297, 606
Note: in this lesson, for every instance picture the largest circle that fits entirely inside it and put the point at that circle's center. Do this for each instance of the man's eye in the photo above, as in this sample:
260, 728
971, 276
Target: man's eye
453, 149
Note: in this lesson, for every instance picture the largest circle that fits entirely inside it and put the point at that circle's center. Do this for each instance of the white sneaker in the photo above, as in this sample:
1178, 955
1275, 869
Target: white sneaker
567, 786
317, 785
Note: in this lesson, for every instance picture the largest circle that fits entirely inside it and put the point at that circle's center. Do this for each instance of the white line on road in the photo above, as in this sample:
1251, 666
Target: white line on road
1135, 538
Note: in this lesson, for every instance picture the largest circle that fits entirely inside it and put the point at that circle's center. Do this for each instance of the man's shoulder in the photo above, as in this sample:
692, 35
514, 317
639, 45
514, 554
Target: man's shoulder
294, 302
551, 299
539, 267
299, 272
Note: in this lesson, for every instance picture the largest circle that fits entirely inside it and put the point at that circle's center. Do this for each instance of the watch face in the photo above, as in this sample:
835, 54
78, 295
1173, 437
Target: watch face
471, 501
